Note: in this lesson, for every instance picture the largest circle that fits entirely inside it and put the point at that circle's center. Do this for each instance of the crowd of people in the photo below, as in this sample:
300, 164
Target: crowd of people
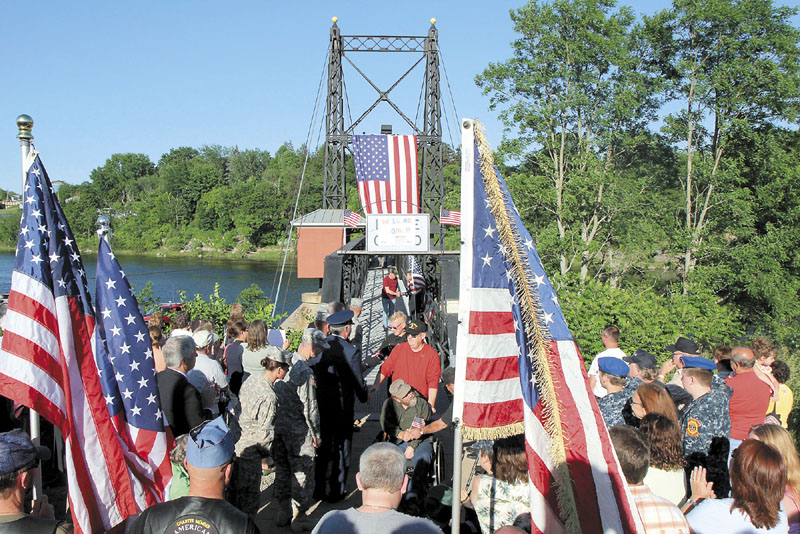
703, 443
707, 450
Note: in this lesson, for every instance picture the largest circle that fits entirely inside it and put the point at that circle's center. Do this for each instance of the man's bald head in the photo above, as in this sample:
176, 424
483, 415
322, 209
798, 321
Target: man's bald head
743, 357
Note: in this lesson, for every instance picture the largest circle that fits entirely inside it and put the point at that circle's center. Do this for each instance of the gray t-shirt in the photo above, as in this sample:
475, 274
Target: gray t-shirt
351, 521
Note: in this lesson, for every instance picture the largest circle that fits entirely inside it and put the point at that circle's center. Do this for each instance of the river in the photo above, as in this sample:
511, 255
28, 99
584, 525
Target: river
195, 275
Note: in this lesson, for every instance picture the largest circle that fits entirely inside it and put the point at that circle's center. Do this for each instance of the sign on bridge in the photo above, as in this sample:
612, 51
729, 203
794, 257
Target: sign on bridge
398, 232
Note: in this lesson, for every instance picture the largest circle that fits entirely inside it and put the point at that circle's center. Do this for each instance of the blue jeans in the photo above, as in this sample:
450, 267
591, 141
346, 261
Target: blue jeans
388, 310
423, 452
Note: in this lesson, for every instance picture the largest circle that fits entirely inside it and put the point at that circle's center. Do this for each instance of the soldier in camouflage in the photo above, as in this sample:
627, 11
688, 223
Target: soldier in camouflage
613, 375
259, 407
297, 433
707, 416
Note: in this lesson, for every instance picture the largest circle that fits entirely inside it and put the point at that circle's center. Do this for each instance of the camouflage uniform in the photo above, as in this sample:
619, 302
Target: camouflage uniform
296, 424
259, 407
705, 418
611, 405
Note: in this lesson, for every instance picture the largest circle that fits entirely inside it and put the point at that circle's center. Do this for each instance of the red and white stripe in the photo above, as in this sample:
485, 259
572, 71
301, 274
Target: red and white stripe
399, 194
48, 364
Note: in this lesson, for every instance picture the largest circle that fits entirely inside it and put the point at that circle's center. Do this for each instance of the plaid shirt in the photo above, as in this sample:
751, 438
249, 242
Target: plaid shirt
659, 516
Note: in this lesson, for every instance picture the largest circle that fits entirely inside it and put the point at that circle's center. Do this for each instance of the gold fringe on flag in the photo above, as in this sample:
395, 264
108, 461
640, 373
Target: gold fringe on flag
535, 330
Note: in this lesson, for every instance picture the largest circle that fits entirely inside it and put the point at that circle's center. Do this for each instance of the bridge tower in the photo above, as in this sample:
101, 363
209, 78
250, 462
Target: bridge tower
429, 137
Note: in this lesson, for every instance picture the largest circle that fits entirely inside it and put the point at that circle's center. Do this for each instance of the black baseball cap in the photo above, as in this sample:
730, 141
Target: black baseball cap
684, 345
643, 359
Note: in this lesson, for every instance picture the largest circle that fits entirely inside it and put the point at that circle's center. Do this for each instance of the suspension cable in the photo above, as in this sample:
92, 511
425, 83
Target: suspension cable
302, 178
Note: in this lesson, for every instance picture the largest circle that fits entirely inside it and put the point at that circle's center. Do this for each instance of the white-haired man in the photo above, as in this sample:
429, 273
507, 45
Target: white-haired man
382, 480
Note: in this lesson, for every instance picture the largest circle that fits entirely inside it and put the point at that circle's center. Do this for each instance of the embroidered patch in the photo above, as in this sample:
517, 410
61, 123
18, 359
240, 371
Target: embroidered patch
692, 427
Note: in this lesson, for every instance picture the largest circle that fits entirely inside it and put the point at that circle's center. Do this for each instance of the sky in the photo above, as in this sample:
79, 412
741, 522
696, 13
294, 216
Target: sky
109, 77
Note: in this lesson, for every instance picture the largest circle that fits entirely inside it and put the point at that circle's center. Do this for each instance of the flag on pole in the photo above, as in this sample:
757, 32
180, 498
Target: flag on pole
127, 374
450, 217
47, 361
352, 218
518, 368
386, 171
417, 283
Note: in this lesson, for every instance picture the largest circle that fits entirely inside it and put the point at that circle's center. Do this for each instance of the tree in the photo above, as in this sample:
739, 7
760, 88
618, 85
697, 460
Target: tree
117, 180
580, 87
734, 67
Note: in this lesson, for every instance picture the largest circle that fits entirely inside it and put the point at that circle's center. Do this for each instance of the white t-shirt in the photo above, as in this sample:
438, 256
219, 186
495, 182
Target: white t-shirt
715, 515
616, 352
206, 371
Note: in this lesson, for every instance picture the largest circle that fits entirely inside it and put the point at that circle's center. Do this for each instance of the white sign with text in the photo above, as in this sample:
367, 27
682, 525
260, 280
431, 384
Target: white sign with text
408, 232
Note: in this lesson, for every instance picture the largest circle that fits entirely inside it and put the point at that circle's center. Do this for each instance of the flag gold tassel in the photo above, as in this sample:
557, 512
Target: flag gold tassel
537, 334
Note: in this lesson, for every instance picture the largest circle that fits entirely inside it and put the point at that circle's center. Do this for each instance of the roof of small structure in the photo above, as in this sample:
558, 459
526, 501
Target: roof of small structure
323, 218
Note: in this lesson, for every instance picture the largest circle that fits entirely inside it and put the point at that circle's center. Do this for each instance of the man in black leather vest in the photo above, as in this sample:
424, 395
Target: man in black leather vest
18, 459
209, 457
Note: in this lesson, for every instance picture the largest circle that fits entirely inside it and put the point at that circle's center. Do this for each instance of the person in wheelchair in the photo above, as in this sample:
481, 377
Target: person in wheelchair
405, 410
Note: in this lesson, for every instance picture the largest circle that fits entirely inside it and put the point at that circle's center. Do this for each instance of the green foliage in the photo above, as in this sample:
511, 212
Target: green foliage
146, 298
648, 319
217, 310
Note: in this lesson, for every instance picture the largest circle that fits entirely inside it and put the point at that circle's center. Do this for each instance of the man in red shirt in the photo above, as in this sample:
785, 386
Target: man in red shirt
416, 363
750, 397
388, 294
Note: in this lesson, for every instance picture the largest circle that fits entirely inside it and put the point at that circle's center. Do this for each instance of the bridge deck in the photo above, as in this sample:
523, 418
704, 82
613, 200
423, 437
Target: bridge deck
373, 335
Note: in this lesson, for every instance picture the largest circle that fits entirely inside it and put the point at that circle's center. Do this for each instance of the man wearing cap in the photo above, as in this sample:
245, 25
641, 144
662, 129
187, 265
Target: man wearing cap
388, 294
613, 374
404, 411
207, 373
707, 416
209, 457
644, 369
259, 404
416, 362
610, 338
19, 458
180, 400
297, 431
339, 383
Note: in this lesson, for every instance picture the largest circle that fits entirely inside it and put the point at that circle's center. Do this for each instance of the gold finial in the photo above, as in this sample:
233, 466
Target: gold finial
334, 19
433, 21
25, 125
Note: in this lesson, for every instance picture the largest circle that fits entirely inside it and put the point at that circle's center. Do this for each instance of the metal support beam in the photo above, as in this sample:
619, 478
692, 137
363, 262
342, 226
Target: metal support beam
432, 161
335, 194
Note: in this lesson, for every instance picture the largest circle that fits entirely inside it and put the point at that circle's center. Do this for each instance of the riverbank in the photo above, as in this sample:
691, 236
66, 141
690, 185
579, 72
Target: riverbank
263, 254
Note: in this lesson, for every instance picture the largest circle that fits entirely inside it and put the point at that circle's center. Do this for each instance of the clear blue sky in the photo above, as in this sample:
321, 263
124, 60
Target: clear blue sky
147, 76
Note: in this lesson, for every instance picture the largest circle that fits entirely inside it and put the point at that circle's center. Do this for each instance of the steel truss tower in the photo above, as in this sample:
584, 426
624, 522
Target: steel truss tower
429, 138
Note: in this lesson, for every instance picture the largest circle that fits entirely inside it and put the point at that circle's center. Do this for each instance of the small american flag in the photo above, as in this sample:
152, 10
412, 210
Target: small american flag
500, 385
450, 217
386, 171
417, 278
47, 362
352, 218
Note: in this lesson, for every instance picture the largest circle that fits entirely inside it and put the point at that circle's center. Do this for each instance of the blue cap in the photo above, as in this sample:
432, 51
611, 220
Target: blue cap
698, 362
340, 318
210, 444
613, 366
17, 450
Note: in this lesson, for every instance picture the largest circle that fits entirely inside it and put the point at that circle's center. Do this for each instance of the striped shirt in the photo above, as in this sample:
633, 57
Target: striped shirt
659, 516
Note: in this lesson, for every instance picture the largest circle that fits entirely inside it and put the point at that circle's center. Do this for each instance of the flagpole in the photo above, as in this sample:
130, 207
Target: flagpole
455, 519
25, 136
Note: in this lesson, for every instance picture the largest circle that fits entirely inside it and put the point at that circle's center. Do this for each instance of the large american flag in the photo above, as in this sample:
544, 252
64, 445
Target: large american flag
127, 374
497, 392
386, 171
48, 361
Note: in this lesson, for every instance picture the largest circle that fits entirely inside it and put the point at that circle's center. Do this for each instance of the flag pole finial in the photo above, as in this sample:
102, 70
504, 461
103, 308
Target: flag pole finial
25, 126
103, 227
